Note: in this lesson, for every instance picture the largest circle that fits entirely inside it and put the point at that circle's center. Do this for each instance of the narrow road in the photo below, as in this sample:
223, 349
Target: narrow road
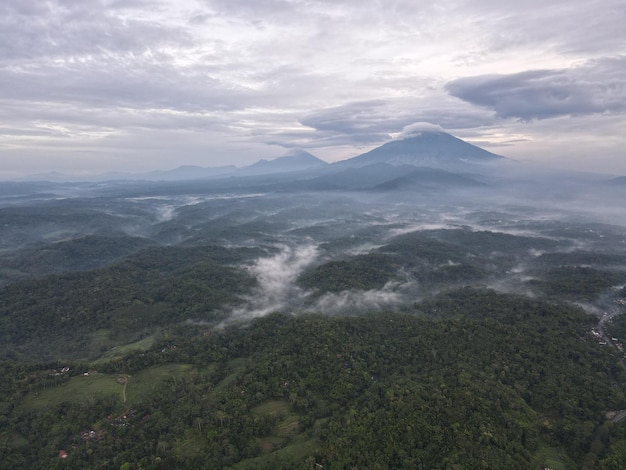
612, 312
607, 316
124, 381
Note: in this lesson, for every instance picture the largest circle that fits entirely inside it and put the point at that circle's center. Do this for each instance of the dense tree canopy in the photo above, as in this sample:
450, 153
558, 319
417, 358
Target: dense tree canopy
469, 379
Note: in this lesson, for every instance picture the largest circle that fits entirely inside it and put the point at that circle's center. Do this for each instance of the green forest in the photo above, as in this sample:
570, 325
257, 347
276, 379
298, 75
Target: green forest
208, 340
467, 379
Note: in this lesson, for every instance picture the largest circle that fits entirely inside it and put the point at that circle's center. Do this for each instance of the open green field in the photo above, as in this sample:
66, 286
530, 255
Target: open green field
83, 388
280, 458
78, 389
288, 427
272, 408
12, 440
549, 457
142, 384
285, 441
101, 339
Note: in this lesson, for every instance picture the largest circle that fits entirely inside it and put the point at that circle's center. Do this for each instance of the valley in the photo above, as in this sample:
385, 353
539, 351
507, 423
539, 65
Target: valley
397, 310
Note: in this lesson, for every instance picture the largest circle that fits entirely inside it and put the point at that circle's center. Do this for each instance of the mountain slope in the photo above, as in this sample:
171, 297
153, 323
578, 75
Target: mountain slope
363, 177
294, 160
426, 149
429, 178
188, 172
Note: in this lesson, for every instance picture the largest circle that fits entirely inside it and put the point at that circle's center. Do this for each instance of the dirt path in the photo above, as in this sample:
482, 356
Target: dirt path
124, 381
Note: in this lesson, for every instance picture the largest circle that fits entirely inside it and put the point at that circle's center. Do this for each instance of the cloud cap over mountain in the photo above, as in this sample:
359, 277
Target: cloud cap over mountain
422, 148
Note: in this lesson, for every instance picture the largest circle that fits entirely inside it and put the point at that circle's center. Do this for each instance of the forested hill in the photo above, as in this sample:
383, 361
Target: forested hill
468, 379
84, 313
136, 328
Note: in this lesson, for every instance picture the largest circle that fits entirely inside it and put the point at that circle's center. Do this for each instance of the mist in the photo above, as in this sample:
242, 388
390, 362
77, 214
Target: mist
290, 230
276, 276
391, 296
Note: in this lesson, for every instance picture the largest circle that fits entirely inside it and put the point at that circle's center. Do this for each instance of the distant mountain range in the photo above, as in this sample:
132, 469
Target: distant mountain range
424, 150
293, 161
429, 164
185, 172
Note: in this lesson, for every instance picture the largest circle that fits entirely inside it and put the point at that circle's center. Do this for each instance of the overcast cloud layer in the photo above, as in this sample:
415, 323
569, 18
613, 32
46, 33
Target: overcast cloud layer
131, 85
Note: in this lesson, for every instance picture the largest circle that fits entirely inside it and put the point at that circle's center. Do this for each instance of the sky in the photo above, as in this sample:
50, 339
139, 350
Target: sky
94, 86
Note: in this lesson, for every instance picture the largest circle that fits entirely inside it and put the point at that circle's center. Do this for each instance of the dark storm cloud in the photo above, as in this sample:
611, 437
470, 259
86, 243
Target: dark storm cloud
597, 87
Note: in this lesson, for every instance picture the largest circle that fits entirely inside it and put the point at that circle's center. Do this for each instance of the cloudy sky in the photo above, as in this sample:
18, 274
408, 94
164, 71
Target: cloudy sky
131, 85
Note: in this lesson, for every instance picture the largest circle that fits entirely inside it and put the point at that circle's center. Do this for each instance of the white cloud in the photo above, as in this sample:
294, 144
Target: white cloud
235, 75
276, 276
417, 127
371, 300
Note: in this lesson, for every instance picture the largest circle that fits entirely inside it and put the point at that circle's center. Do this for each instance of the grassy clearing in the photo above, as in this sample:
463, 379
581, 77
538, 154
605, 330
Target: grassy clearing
286, 431
281, 458
82, 389
13, 440
237, 367
549, 457
189, 447
78, 389
141, 345
288, 427
272, 408
269, 443
101, 338
142, 384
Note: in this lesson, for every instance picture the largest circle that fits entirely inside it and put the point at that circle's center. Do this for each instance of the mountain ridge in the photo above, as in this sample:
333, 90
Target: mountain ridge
293, 160
426, 149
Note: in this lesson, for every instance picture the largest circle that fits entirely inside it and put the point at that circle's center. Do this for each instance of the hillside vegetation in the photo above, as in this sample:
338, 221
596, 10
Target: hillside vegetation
468, 379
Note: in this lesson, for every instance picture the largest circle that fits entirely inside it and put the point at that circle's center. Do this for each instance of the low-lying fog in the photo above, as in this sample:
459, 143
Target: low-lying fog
300, 231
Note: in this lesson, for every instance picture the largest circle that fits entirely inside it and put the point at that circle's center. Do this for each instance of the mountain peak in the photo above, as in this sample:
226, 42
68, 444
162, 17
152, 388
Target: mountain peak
293, 160
432, 149
297, 152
